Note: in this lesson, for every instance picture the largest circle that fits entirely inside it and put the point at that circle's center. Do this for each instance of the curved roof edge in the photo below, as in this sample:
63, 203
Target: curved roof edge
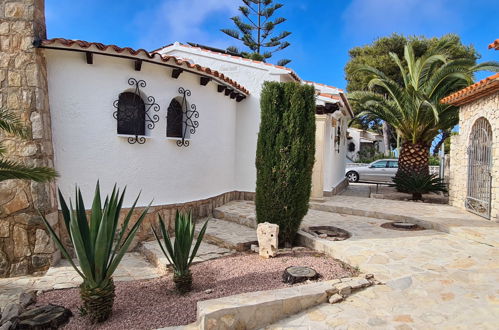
154, 56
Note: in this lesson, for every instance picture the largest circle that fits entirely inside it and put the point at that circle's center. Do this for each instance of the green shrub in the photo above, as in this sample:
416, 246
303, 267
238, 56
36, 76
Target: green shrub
418, 184
285, 156
179, 252
98, 245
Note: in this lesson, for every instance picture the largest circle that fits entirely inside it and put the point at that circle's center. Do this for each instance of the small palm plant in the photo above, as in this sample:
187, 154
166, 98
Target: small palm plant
98, 246
418, 184
178, 252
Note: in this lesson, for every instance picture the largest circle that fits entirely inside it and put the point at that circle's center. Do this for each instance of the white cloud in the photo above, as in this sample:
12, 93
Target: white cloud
182, 20
375, 18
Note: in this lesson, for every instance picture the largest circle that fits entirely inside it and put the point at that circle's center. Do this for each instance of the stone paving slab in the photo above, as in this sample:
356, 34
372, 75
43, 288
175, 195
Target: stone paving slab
152, 251
229, 234
133, 267
444, 218
431, 279
241, 212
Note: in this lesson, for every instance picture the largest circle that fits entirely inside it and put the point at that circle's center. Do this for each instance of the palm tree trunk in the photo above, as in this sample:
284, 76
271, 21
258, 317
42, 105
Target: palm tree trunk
413, 158
386, 138
98, 301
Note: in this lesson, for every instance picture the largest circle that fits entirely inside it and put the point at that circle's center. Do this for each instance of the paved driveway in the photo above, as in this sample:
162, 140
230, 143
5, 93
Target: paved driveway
432, 279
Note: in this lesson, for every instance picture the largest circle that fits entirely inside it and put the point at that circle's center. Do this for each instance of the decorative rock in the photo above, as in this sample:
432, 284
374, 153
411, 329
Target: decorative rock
358, 283
335, 298
208, 291
299, 249
254, 248
296, 274
369, 276
10, 312
344, 289
267, 239
27, 298
332, 291
45, 317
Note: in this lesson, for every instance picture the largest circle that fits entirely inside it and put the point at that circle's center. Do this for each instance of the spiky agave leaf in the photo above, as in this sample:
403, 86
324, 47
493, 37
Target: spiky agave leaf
97, 252
180, 253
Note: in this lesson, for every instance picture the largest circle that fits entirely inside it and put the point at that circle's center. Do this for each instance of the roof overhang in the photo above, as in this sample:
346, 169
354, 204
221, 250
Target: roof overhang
494, 45
231, 87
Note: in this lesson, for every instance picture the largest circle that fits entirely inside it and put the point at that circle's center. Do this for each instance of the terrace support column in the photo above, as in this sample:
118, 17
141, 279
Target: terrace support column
25, 247
319, 164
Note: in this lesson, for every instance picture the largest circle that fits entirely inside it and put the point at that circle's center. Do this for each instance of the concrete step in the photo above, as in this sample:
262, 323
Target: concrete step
228, 234
152, 252
241, 212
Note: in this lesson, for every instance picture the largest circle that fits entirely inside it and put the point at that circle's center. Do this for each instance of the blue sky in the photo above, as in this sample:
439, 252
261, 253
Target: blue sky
323, 30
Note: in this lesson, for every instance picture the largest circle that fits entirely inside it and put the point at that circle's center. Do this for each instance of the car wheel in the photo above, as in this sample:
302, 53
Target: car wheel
352, 176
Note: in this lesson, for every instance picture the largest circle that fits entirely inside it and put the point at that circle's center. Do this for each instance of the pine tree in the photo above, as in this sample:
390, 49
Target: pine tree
285, 156
257, 33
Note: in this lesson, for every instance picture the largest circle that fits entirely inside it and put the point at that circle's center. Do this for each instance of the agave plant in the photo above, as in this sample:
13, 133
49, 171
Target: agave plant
418, 184
99, 247
180, 253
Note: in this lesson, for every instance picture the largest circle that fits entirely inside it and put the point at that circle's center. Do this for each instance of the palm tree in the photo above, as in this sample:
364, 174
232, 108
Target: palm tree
413, 108
11, 124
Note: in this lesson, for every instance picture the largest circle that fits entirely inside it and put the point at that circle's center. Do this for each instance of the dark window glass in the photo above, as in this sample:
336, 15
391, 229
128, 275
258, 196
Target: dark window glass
131, 114
393, 164
381, 164
174, 119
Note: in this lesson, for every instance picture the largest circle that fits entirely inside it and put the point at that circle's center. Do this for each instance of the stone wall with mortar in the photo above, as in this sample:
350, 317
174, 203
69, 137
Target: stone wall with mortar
487, 107
25, 247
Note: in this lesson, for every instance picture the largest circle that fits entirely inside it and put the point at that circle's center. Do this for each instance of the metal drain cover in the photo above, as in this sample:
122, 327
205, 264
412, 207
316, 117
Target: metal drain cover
404, 225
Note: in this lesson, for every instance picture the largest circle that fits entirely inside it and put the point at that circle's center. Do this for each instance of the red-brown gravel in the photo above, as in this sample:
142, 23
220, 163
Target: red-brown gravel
150, 304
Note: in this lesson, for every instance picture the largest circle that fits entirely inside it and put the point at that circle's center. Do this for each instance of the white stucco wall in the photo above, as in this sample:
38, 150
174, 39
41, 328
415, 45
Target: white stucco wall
87, 147
337, 160
252, 77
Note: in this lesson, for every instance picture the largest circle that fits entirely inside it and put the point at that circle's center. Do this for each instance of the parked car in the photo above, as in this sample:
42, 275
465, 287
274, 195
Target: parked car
382, 170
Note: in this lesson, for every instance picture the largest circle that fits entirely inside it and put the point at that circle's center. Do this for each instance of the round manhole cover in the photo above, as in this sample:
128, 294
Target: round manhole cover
402, 226
329, 232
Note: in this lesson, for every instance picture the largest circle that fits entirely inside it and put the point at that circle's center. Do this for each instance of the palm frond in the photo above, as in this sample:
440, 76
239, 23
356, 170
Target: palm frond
15, 170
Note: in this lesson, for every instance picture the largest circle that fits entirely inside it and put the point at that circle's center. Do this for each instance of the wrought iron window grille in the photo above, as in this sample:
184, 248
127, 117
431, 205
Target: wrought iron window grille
181, 119
133, 112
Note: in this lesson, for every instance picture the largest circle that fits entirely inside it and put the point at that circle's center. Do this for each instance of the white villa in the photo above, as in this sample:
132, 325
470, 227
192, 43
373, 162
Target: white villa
179, 124
362, 141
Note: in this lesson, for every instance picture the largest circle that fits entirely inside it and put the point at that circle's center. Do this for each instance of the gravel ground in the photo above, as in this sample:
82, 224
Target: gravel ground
150, 304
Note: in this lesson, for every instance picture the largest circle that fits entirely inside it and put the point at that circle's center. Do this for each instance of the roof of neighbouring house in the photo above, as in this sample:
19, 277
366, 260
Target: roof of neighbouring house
220, 52
494, 45
325, 93
187, 65
482, 88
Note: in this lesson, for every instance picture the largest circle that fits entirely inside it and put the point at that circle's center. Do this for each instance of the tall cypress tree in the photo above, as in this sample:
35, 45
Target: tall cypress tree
285, 156
257, 32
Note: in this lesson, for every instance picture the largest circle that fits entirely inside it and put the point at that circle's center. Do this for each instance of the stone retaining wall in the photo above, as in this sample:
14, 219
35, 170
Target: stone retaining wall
487, 107
25, 247
200, 209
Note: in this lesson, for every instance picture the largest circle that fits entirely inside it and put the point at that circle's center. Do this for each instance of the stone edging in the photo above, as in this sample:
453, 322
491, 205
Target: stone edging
254, 310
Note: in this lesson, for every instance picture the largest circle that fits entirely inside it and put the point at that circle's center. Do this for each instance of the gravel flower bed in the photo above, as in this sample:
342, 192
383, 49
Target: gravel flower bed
151, 304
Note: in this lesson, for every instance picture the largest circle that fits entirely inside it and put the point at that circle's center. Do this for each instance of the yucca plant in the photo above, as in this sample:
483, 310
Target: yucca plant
99, 247
418, 184
179, 251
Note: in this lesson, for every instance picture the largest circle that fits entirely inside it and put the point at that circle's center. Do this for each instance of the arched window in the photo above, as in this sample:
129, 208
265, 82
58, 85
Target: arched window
131, 114
175, 119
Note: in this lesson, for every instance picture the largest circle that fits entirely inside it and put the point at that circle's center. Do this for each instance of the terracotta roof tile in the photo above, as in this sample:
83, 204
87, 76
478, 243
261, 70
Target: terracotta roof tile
331, 96
151, 55
494, 45
483, 87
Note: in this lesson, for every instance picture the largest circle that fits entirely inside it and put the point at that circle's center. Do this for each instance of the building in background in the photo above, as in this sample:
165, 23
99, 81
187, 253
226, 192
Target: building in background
363, 144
